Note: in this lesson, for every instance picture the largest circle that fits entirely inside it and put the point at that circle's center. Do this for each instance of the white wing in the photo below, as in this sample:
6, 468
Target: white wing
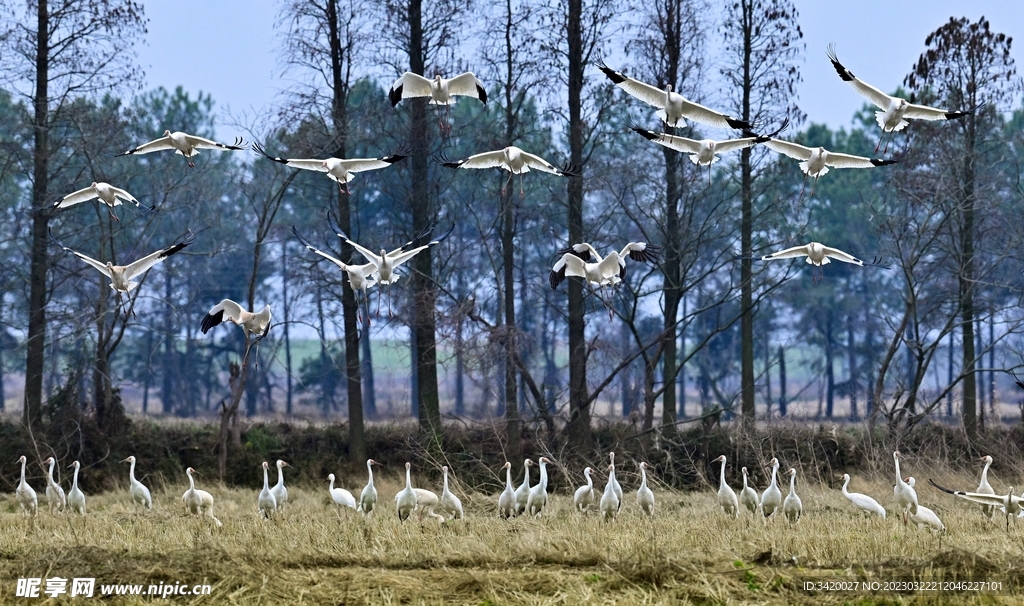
356, 165
407, 86
787, 148
789, 253
923, 112
225, 310
201, 143
102, 267
650, 95
734, 144
124, 195
838, 255
705, 115
82, 195
872, 94
849, 161
540, 164
681, 144
485, 160
467, 85
142, 265
568, 265
161, 144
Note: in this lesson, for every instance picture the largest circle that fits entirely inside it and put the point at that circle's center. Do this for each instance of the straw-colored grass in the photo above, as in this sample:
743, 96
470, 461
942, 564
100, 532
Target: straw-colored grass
688, 553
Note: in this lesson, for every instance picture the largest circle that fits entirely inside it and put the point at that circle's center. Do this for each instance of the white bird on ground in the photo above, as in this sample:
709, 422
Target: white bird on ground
76, 498
338, 170
748, 496
279, 490
360, 277
122, 276
183, 143
198, 502
985, 488
426, 503
906, 496
1010, 504
107, 193
726, 495
644, 495
538, 498
583, 261
818, 255
672, 107
614, 482
703, 152
862, 501
368, 497
266, 503
584, 496
442, 91
515, 161
523, 492
450, 504
340, 496
925, 517
507, 498
610, 501
24, 493
771, 498
388, 262
255, 324
815, 161
895, 111
792, 506
140, 494
405, 500
55, 498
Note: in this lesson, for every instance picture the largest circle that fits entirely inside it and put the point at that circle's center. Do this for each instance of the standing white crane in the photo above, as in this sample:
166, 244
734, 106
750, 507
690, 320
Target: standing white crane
818, 255
266, 503
515, 161
122, 276
862, 501
726, 495
405, 500
340, 496
925, 517
672, 107
985, 488
450, 503
24, 493
360, 277
183, 143
610, 501
338, 170
702, 152
507, 498
55, 498
368, 497
107, 194
906, 496
523, 492
584, 496
538, 498
279, 490
140, 494
815, 161
895, 111
198, 502
644, 495
1010, 504
442, 91
76, 498
388, 262
614, 482
792, 506
771, 498
748, 496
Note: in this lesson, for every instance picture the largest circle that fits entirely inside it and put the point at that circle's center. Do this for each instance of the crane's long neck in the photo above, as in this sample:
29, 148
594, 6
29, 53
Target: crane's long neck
23, 472
543, 475
845, 484
775, 475
984, 473
508, 477
744, 480
191, 482
74, 482
280, 476
49, 473
131, 471
266, 478
610, 486
330, 487
369, 470
445, 488
643, 476
590, 481
792, 484
526, 476
899, 478
408, 479
721, 478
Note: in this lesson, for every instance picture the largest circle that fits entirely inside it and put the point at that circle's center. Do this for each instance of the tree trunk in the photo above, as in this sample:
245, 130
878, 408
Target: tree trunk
167, 378
578, 429
782, 382
949, 374
369, 390
746, 236
830, 378
36, 339
673, 289
508, 232
851, 357
966, 279
287, 324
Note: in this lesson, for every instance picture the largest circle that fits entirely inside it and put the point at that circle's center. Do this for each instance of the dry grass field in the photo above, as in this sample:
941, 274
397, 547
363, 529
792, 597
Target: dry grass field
688, 553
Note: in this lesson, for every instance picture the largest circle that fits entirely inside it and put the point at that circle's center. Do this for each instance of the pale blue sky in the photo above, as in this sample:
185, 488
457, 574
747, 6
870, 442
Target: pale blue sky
231, 49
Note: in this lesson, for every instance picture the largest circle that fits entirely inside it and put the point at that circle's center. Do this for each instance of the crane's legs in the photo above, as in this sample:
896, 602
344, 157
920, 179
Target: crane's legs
505, 186
110, 210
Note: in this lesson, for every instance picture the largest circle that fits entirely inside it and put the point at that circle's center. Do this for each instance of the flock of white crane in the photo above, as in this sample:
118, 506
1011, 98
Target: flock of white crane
527, 500
579, 259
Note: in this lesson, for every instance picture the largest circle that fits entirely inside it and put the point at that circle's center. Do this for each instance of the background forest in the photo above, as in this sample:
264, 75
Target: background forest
478, 334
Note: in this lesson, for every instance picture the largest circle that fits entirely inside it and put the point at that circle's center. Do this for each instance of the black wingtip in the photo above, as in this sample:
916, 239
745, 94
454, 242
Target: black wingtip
259, 149
738, 124
481, 94
643, 132
613, 75
395, 95
209, 321
443, 160
571, 170
335, 228
555, 278
844, 73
